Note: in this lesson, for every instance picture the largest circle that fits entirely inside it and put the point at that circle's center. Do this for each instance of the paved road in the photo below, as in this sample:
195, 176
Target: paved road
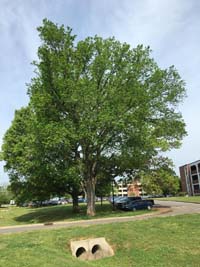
179, 208
165, 208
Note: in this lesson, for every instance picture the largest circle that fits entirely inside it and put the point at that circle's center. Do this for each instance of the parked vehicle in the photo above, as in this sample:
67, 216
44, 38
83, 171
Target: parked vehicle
137, 205
54, 202
63, 201
113, 198
82, 200
46, 203
34, 204
12, 202
124, 200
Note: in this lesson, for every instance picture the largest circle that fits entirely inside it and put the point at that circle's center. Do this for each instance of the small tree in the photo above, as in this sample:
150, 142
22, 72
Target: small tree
35, 164
103, 187
160, 178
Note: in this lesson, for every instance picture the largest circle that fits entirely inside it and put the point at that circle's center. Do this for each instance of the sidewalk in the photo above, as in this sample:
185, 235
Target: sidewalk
160, 210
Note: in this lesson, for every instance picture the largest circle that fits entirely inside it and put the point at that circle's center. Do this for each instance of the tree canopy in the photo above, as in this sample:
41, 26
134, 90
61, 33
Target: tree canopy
101, 106
35, 165
160, 178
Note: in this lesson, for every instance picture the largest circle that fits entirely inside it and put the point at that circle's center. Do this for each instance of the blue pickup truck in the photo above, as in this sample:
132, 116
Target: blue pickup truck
134, 203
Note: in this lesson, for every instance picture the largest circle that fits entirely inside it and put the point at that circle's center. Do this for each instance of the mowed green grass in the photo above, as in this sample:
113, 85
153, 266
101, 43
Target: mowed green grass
194, 199
158, 242
19, 215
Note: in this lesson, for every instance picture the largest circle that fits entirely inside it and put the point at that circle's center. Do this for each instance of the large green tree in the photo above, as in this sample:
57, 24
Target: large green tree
102, 102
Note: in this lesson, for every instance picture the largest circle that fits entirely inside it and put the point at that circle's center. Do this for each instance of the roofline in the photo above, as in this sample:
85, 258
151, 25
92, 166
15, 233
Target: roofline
194, 162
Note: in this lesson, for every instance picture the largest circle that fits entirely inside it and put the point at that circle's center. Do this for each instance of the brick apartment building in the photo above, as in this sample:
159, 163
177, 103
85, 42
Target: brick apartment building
131, 189
190, 178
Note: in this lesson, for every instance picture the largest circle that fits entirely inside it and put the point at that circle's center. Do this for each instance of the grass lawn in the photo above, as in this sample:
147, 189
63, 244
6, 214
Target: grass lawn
195, 199
19, 215
158, 242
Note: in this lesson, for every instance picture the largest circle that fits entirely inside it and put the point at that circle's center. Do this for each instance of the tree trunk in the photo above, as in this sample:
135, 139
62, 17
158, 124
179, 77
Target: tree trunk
101, 200
90, 187
75, 202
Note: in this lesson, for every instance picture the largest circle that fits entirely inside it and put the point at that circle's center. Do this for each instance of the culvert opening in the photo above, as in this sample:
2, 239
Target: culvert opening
91, 249
95, 249
80, 252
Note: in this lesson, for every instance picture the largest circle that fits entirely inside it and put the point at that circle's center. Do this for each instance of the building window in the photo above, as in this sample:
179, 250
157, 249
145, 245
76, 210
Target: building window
195, 179
196, 189
193, 169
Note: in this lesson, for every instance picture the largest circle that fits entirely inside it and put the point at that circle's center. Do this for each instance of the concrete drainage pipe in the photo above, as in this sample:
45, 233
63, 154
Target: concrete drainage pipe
91, 249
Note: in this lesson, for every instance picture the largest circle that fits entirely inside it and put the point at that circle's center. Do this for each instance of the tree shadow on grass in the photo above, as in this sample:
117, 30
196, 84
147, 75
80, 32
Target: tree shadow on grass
61, 213
50, 214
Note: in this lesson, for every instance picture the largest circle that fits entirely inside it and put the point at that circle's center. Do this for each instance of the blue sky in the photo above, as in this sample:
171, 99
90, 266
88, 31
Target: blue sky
170, 27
